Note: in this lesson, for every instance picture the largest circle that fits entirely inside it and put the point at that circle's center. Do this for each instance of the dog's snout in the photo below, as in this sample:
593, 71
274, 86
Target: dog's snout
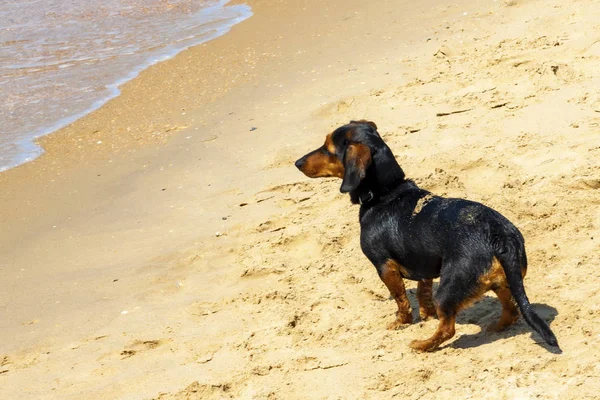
300, 163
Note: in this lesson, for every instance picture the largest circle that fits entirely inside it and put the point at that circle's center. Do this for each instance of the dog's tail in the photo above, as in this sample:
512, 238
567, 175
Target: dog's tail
510, 251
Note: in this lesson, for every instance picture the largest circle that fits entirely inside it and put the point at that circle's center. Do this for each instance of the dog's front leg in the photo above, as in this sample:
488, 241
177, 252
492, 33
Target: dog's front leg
389, 273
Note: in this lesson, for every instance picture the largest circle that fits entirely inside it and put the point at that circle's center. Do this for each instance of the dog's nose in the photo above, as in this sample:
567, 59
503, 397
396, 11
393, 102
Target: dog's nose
300, 163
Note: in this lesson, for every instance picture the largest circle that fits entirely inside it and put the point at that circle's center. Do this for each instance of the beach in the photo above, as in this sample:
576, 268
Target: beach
165, 246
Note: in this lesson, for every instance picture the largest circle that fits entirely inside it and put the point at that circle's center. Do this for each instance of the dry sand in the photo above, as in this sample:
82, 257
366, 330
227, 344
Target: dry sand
116, 285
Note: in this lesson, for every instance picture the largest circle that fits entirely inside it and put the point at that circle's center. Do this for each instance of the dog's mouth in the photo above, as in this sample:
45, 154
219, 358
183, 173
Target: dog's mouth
319, 164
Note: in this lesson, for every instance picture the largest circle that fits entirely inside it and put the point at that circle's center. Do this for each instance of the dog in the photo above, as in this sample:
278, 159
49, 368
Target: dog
409, 233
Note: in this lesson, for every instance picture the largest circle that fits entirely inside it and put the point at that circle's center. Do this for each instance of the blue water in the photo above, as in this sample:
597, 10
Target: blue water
60, 60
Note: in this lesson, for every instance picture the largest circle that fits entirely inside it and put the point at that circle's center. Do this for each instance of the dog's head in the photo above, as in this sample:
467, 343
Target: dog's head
352, 152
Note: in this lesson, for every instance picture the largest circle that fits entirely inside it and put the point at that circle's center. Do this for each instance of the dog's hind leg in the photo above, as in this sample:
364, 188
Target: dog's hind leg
389, 273
459, 287
444, 332
509, 315
495, 278
425, 297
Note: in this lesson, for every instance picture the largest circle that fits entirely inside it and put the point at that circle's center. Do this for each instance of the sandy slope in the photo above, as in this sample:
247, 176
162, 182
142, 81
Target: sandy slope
499, 105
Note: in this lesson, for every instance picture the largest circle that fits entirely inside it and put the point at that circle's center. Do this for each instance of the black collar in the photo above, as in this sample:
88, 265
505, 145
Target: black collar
365, 198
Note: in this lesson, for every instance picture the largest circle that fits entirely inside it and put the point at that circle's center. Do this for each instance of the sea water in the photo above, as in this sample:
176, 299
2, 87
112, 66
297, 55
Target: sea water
62, 59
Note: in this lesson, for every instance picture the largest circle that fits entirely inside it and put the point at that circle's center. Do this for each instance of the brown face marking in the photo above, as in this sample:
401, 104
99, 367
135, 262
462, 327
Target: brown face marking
359, 155
425, 297
329, 144
390, 275
323, 163
357, 159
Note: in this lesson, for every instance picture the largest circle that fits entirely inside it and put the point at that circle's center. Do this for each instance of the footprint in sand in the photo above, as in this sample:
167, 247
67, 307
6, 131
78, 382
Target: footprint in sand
75, 346
3, 363
284, 195
199, 391
139, 346
586, 178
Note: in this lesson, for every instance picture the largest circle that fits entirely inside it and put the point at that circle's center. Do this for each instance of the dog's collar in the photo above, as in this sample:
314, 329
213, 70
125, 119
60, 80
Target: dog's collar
366, 197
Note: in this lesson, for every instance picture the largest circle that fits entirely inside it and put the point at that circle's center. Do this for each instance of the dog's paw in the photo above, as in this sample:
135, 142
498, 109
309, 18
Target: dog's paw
422, 346
502, 324
427, 316
397, 324
497, 327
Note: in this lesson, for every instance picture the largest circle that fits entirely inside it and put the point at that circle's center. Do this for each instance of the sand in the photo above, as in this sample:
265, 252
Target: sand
165, 247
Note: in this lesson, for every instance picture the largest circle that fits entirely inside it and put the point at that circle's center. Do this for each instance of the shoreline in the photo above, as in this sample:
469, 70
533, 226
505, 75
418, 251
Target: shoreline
30, 150
166, 247
80, 185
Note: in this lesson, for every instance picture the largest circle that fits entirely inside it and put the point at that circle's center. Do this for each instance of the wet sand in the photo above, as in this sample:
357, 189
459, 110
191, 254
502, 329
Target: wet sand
166, 247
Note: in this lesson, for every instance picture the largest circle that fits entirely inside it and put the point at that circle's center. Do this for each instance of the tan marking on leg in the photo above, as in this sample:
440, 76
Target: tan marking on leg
404, 273
390, 275
493, 278
509, 315
425, 297
445, 331
499, 284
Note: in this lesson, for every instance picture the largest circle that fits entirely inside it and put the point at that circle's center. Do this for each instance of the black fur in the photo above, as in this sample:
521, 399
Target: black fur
453, 239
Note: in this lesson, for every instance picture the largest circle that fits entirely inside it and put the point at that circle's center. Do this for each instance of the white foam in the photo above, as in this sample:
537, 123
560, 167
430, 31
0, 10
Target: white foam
29, 112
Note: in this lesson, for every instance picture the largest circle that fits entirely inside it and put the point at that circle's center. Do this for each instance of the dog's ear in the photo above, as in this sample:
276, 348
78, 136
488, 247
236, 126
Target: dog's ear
357, 159
364, 121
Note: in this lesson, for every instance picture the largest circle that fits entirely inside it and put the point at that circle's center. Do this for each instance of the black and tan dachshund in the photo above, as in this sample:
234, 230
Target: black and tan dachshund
408, 233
